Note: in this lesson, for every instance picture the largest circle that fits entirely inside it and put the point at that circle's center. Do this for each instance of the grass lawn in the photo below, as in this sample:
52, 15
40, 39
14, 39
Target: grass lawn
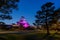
31, 36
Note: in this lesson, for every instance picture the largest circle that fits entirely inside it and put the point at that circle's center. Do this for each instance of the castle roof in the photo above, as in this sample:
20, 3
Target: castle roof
23, 22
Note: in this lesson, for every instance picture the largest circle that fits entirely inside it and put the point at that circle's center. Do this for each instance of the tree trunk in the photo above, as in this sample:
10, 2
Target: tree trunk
47, 26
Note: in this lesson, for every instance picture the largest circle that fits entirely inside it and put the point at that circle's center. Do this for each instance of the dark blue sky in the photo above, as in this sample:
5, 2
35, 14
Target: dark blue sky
28, 9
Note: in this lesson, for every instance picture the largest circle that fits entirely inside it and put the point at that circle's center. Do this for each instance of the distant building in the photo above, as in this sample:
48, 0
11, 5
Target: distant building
23, 22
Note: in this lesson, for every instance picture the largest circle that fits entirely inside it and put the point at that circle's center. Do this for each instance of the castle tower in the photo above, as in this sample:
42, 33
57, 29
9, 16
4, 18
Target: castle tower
23, 22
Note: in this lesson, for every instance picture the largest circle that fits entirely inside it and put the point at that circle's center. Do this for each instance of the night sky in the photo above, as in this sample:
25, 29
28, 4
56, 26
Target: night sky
28, 9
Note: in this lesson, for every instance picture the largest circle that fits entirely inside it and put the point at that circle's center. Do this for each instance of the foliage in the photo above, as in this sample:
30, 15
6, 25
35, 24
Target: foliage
6, 7
47, 15
2, 23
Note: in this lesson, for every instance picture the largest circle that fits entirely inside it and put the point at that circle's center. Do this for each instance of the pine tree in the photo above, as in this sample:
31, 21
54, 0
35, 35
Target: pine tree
45, 16
6, 7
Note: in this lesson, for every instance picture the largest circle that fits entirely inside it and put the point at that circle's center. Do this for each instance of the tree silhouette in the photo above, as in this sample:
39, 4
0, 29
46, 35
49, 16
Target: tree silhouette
38, 19
48, 10
47, 16
57, 14
6, 7
2, 23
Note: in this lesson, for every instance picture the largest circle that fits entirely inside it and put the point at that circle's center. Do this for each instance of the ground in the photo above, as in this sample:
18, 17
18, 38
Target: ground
29, 35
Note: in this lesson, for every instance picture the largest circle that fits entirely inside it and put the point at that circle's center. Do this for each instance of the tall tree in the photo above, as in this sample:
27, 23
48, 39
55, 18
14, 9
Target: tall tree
6, 7
48, 10
47, 16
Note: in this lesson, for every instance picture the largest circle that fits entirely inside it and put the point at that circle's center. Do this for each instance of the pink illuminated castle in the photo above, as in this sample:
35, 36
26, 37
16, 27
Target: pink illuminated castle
23, 22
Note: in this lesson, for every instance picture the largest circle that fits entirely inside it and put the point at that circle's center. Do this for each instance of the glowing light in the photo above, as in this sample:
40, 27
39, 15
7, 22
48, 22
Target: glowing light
23, 22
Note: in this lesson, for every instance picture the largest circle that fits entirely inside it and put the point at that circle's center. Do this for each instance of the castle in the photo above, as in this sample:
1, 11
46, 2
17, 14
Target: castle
23, 22
20, 25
